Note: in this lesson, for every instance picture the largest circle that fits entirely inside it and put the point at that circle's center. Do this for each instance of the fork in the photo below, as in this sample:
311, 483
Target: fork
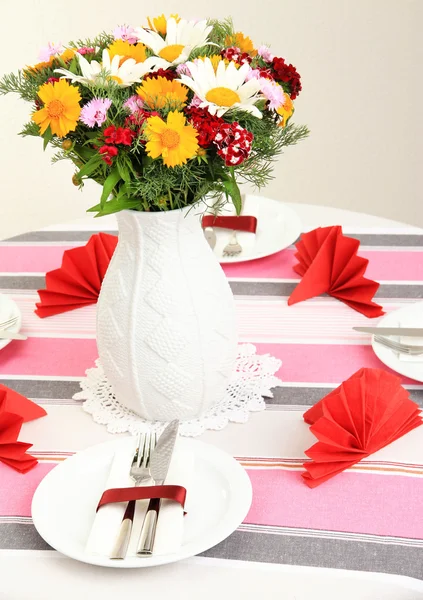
8, 323
233, 248
399, 347
140, 475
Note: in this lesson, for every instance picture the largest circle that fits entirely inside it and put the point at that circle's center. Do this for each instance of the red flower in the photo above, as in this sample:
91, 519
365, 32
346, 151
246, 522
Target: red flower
207, 125
108, 153
234, 143
53, 79
236, 55
288, 74
166, 73
120, 135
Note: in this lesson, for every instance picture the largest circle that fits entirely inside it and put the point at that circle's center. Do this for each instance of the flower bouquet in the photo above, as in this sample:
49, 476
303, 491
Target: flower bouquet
162, 117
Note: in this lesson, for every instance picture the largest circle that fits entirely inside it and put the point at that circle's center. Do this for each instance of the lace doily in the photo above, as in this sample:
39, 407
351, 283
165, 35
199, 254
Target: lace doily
253, 378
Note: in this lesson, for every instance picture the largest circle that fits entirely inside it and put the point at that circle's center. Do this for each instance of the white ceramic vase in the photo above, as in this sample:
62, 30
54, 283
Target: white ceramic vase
166, 329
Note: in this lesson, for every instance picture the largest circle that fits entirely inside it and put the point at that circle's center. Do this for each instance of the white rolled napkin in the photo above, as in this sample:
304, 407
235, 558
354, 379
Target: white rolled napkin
170, 525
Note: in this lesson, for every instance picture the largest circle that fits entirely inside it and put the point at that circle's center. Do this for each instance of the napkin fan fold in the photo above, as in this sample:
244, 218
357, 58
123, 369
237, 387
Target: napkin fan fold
328, 263
364, 414
78, 281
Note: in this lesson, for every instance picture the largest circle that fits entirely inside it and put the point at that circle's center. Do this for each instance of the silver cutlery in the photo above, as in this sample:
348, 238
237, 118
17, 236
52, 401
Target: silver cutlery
159, 467
140, 474
210, 236
8, 322
9, 335
406, 331
399, 347
233, 247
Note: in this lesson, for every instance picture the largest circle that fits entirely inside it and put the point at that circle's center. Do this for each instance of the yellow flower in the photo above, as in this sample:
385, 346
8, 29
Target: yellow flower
242, 42
286, 110
215, 59
127, 50
66, 57
173, 140
159, 23
61, 108
160, 92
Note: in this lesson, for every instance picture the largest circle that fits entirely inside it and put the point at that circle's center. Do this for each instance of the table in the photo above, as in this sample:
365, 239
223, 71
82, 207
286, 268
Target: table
295, 541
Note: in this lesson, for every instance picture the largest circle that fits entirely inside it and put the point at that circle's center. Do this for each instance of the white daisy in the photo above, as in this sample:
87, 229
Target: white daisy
181, 39
127, 74
224, 89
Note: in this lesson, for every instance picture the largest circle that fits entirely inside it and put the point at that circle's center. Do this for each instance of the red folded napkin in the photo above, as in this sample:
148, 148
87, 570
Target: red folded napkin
328, 263
240, 223
78, 281
364, 414
15, 409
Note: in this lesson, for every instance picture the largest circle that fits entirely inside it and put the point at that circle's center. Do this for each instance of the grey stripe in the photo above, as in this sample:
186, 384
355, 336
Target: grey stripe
21, 536
320, 552
239, 288
366, 239
34, 388
308, 396
55, 236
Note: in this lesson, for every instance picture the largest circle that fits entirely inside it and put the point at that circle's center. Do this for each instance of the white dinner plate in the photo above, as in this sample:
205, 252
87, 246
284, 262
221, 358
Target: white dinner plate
407, 316
8, 310
63, 507
278, 226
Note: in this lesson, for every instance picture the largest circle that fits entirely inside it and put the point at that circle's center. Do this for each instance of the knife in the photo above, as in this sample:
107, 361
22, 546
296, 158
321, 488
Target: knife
406, 331
9, 335
159, 467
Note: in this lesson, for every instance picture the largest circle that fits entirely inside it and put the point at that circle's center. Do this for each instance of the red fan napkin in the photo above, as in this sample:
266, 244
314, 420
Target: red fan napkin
78, 281
15, 409
240, 223
364, 414
328, 263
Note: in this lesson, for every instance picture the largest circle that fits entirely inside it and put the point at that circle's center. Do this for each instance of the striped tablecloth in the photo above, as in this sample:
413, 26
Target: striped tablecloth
366, 519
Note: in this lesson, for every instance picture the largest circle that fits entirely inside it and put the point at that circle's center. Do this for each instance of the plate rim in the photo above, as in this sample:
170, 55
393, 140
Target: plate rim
379, 350
205, 449
293, 217
16, 328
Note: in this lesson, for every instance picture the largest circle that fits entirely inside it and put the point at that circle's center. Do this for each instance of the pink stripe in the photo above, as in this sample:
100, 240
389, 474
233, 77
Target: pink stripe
48, 356
322, 363
387, 265
17, 489
350, 502
384, 265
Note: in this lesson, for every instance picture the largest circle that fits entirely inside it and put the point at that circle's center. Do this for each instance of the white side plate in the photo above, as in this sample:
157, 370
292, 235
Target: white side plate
8, 310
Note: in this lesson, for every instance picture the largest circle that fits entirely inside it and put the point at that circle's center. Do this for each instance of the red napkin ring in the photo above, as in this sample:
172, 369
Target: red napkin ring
167, 492
241, 223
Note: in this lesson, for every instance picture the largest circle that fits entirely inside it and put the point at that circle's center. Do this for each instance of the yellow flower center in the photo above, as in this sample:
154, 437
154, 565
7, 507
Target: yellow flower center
171, 52
116, 78
222, 96
55, 109
170, 138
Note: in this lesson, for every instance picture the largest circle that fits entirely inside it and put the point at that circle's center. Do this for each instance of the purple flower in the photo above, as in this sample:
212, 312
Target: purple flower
95, 111
253, 74
273, 93
134, 104
126, 33
195, 102
183, 69
86, 50
50, 50
264, 52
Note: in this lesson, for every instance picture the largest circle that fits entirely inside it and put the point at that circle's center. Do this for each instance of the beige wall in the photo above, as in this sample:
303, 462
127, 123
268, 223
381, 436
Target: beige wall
361, 64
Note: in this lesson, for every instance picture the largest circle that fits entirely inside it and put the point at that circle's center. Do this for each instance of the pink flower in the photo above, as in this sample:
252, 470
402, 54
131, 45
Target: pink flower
195, 102
126, 33
50, 50
183, 69
273, 93
264, 52
95, 111
86, 50
253, 74
134, 104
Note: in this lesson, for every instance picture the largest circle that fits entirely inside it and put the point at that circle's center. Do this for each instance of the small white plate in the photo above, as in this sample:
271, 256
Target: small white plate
64, 503
8, 310
278, 226
407, 316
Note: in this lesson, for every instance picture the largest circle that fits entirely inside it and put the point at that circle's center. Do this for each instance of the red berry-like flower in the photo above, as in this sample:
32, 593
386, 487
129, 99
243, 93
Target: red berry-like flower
53, 79
234, 143
108, 153
236, 55
287, 74
207, 125
120, 135
166, 73
110, 134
